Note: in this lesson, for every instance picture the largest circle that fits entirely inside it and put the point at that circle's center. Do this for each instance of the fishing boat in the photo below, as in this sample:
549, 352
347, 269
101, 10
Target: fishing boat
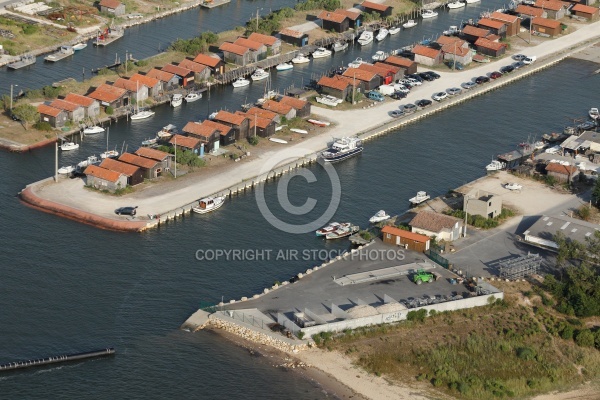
419, 198
332, 227
300, 59
259, 75
149, 142
275, 140
409, 24
284, 67
394, 30
380, 55
79, 46
301, 131
176, 100
339, 46
192, 96
321, 52
379, 216
329, 100
365, 38
166, 132
66, 170
240, 82
109, 154
93, 130
455, 4
63, 52
356, 63
91, 160
428, 14
495, 165
342, 149
25, 61
513, 186
209, 204
342, 232
594, 113
319, 123
66, 146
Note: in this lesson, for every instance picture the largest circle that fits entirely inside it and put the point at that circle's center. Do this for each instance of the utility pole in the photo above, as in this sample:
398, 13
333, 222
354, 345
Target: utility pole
257, 19
466, 214
175, 156
11, 96
354, 88
126, 62
56, 160
254, 124
454, 58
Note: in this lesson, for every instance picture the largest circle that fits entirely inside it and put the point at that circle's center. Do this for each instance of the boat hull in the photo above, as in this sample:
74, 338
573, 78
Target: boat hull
342, 156
199, 210
94, 130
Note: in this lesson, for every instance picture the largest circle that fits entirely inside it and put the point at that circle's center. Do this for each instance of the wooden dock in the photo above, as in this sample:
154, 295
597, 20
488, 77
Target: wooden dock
213, 3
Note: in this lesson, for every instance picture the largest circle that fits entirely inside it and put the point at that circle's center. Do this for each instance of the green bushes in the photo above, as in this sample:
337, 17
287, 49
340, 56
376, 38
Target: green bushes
109, 110
309, 5
253, 140
478, 221
269, 23
30, 29
417, 315
584, 338
195, 45
43, 126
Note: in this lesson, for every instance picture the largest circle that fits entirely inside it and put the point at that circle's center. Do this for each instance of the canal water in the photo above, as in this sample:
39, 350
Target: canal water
67, 287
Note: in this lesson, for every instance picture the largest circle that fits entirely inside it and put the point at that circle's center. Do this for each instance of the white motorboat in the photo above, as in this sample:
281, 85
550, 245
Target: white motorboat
409, 24
301, 131
419, 198
191, 97
275, 140
455, 4
149, 142
356, 63
365, 38
280, 127
539, 145
209, 204
91, 160
472, 1
93, 130
453, 30
342, 232
259, 75
66, 146
329, 100
240, 82
109, 154
143, 114
319, 122
66, 170
284, 66
339, 46
300, 59
333, 226
382, 34
554, 149
342, 149
79, 46
379, 216
495, 165
167, 131
513, 186
594, 113
394, 30
380, 55
213, 115
428, 14
176, 100
321, 52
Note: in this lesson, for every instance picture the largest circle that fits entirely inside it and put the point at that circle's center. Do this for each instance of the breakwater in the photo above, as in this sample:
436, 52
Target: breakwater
56, 359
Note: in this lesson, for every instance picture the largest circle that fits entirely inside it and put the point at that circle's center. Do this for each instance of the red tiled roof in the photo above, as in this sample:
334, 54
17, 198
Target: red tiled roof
331, 16
448, 40
260, 121
274, 106
79, 99
432, 221
545, 22
383, 72
207, 60
549, 5
374, 6
197, 128
488, 44
298, 104
145, 80
389, 67
353, 15
107, 93
359, 74
528, 10
163, 76
110, 3
425, 51
102, 173
138, 161
291, 33
221, 128
185, 141
405, 234
64, 105
561, 169
119, 166
493, 38
180, 71
233, 48
456, 50
192, 66
226, 116
585, 9
47, 110
132, 86
489, 23
264, 39
475, 31
262, 113
336, 82
152, 154
504, 17
251, 44
399, 61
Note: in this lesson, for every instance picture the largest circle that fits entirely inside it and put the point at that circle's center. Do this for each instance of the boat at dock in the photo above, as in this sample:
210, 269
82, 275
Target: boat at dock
594, 113
428, 14
365, 38
409, 24
166, 132
342, 149
150, 142
142, 114
419, 198
300, 59
379, 217
356, 63
25, 61
240, 82
209, 204
333, 226
93, 130
495, 165
455, 4
91, 160
342, 232
394, 30
339, 46
66, 146
472, 1
280, 141
109, 154
380, 55
259, 75
329, 100
319, 123
382, 34
66, 170
63, 52
79, 46
284, 67
176, 100
321, 52
191, 97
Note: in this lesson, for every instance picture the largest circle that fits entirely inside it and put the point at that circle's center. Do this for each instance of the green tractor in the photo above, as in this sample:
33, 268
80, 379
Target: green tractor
422, 276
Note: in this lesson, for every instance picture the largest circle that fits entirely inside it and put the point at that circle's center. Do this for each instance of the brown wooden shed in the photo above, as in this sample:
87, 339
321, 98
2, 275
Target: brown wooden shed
583, 11
302, 107
150, 168
134, 174
331, 21
546, 27
238, 123
409, 66
406, 239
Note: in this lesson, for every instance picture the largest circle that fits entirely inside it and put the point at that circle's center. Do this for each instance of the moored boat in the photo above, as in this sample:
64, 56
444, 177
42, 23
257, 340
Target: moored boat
455, 4
342, 149
25, 61
109, 154
149, 142
339, 46
382, 34
66, 146
91, 160
394, 30
284, 66
167, 131
240, 82
365, 38
66, 169
409, 24
472, 1
259, 74
142, 114
321, 52
300, 59
319, 123
93, 130
79, 46
495, 165
379, 216
332, 227
428, 14
380, 55
209, 204
419, 198
594, 113
356, 63
63, 52
342, 232
192, 96
176, 100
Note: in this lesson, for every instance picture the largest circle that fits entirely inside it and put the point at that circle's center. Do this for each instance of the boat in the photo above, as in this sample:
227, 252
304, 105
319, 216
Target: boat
586, 126
356, 63
329, 100
495, 165
342, 232
271, 94
167, 131
280, 127
213, 115
284, 66
259, 75
455, 4
380, 55
79, 46
149, 142
594, 113
143, 114
379, 216
91, 160
176, 100
109, 154
342, 149
240, 82
93, 130
25, 61
275, 140
319, 123
209, 204
192, 96
453, 30
339, 46
321, 52
365, 38
63, 52
419, 198
473, 1
382, 34
333, 226
409, 24
66, 146
553, 150
394, 30
300, 59
428, 14
539, 145
301, 131
513, 186
66, 170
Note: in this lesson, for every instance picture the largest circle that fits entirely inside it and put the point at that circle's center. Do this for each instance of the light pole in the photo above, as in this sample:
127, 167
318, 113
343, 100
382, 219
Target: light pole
11, 96
467, 198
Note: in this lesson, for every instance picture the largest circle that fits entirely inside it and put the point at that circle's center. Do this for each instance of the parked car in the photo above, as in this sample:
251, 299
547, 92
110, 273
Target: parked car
507, 69
468, 85
406, 83
439, 96
397, 113
415, 82
415, 77
398, 95
518, 65
495, 75
455, 65
435, 75
401, 88
423, 103
519, 57
408, 108
454, 91
126, 210
482, 79
374, 95
529, 60
426, 76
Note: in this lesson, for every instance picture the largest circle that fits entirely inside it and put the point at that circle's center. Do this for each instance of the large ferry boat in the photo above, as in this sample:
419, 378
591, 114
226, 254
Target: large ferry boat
342, 149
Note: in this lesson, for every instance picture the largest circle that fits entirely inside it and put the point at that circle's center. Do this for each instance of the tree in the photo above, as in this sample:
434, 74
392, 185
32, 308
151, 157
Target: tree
26, 113
585, 338
596, 194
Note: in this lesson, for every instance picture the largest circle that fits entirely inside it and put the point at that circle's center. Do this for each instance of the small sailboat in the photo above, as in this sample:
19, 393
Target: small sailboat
140, 114
176, 100
284, 67
209, 204
191, 97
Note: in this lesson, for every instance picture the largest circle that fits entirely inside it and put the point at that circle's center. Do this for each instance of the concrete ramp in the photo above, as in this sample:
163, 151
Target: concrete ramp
196, 321
382, 274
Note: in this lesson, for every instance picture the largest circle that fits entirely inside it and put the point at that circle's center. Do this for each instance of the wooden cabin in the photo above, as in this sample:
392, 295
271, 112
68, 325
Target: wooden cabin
134, 174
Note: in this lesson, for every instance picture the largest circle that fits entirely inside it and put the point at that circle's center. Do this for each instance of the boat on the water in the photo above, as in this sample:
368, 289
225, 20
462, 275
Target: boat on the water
209, 204
321, 52
318, 122
240, 82
472, 1
66, 146
356, 63
332, 227
149, 142
25, 61
419, 198
379, 216
382, 34
93, 130
513, 186
329, 100
365, 38
66, 170
342, 149
300, 59
301, 131
259, 75
394, 30
63, 52
166, 132
91, 160
176, 100
339, 46
142, 114
284, 66
109, 154
275, 140
192, 96
409, 24
428, 14
495, 165
79, 46
380, 55
594, 113
342, 232
455, 4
